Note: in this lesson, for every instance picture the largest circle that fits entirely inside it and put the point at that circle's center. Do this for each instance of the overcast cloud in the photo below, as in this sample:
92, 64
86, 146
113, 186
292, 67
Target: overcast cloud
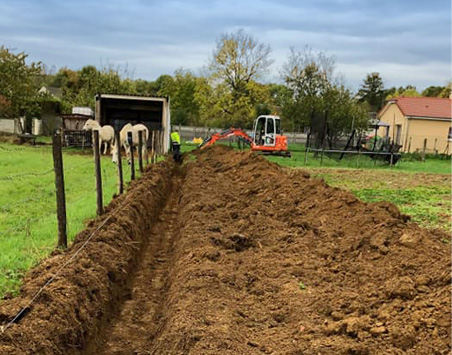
408, 42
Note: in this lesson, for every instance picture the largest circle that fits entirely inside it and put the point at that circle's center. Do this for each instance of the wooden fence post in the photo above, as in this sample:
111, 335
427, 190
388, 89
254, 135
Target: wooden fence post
157, 145
60, 193
146, 145
140, 151
100, 204
118, 152
153, 147
132, 160
159, 141
424, 149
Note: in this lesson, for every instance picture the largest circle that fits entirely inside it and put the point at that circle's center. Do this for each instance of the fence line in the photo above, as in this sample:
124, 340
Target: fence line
18, 176
26, 224
188, 133
158, 147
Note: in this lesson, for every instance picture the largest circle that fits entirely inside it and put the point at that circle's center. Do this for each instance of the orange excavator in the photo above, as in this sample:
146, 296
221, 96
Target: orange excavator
266, 137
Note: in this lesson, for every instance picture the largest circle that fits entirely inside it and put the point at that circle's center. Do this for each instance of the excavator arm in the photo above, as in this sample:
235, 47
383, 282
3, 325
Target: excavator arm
226, 134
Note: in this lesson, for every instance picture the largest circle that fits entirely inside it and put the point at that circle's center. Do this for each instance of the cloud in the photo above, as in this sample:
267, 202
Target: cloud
408, 42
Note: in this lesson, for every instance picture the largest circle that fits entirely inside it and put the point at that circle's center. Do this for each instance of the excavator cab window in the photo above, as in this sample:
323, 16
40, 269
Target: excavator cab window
270, 125
259, 131
278, 126
270, 132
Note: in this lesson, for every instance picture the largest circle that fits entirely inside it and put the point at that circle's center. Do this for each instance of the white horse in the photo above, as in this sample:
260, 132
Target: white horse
106, 134
124, 142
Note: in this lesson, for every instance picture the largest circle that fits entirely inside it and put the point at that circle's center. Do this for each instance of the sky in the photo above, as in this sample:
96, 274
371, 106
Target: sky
406, 41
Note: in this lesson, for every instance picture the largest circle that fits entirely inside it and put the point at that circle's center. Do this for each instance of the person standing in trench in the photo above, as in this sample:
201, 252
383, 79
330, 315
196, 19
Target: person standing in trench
175, 144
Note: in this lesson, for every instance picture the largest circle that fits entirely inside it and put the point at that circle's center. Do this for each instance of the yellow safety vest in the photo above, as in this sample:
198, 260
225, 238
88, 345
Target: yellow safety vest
175, 138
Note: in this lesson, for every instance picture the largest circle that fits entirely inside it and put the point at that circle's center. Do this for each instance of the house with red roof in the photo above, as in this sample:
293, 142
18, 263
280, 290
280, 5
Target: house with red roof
417, 121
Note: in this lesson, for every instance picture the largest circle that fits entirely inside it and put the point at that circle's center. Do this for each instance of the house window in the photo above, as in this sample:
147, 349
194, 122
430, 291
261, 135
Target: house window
449, 135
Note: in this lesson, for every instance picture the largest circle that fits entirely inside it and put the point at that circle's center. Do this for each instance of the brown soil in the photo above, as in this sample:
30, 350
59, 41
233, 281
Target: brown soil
244, 259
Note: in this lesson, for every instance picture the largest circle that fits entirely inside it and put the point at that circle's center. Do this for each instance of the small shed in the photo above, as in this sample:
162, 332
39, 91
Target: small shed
73, 133
118, 110
74, 121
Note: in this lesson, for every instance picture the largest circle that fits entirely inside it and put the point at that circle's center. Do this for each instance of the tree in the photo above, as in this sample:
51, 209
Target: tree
316, 93
18, 89
237, 62
238, 59
308, 75
80, 87
433, 91
372, 91
345, 113
408, 91
219, 107
181, 88
445, 93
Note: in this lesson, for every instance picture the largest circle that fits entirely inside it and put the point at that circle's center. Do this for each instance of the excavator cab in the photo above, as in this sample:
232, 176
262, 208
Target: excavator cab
266, 128
267, 137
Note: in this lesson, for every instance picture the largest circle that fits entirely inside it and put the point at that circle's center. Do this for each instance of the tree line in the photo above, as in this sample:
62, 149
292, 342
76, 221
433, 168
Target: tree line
230, 92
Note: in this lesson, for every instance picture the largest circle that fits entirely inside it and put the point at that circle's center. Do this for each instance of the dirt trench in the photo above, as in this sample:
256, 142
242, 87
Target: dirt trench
140, 317
245, 258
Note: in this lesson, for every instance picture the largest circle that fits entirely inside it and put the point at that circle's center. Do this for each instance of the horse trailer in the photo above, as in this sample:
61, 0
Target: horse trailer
118, 110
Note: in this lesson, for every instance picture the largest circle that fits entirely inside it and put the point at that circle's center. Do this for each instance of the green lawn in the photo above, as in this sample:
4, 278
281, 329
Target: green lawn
425, 197
298, 159
420, 189
27, 203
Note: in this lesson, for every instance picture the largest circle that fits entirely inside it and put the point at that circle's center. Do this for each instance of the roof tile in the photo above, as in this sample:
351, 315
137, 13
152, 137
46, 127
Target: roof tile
431, 107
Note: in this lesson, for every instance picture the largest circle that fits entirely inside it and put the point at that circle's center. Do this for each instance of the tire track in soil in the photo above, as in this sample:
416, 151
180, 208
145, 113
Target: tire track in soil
141, 315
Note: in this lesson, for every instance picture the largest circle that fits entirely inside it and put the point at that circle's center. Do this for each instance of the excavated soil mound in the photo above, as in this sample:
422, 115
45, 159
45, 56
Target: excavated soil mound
246, 258
277, 262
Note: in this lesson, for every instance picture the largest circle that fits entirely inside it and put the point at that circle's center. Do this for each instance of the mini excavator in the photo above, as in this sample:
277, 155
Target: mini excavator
266, 138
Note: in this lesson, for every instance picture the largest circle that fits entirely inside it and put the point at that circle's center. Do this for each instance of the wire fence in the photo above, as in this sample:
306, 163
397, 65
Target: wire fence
45, 194
29, 215
24, 227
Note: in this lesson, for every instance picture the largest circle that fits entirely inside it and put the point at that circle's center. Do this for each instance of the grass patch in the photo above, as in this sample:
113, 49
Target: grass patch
424, 204
425, 197
298, 159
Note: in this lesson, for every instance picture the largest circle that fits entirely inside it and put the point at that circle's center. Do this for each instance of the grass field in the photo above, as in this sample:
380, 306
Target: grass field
425, 197
434, 166
420, 189
27, 204
27, 198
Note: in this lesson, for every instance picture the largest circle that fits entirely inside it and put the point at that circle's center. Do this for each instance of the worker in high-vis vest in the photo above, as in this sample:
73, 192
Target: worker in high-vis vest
175, 143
